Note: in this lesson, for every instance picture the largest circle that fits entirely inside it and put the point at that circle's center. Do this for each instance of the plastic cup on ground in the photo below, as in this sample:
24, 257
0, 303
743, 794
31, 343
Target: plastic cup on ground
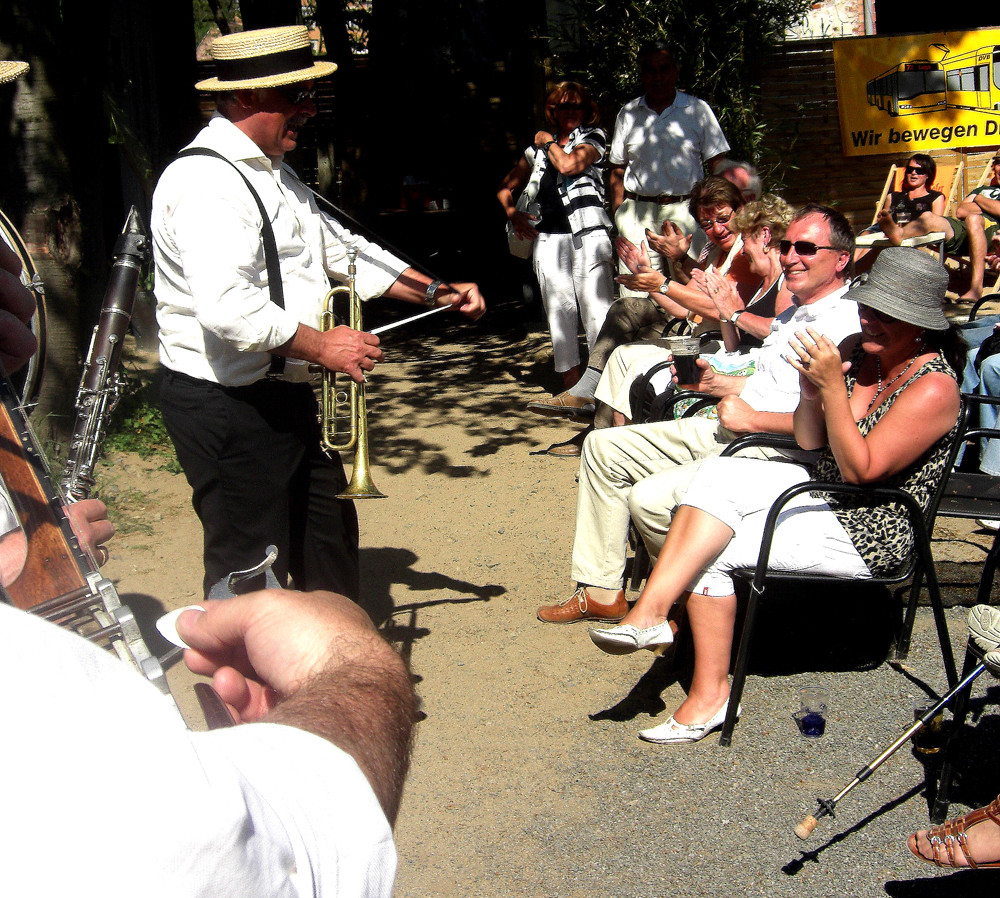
929, 739
811, 716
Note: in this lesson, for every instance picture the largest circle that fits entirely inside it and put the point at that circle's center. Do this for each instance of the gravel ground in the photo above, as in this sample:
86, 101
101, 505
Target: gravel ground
528, 778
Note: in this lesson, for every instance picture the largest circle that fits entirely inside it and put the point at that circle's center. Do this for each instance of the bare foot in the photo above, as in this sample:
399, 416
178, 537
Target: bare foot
971, 295
893, 232
976, 835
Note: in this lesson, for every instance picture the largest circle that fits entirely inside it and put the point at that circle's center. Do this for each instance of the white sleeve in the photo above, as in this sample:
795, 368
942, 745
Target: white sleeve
616, 156
304, 793
377, 268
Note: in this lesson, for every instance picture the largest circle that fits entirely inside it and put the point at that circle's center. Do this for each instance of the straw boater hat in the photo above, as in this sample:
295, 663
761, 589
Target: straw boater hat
268, 57
11, 71
907, 284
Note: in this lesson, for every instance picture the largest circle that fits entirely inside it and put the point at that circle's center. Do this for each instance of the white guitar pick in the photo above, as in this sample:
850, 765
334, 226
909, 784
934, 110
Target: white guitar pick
167, 625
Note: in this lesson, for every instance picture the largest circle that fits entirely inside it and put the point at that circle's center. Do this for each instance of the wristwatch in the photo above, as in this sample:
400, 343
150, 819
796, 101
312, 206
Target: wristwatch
432, 289
546, 145
734, 319
664, 287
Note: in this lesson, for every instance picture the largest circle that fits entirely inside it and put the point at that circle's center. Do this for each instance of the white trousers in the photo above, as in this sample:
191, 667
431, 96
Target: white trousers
641, 470
575, 274
808, 538
633, 217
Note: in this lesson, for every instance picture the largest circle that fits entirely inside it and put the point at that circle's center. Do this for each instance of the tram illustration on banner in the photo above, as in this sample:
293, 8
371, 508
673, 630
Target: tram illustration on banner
950, 80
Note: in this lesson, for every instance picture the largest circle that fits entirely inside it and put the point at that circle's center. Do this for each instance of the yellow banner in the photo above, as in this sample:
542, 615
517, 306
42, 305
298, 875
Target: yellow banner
918, 92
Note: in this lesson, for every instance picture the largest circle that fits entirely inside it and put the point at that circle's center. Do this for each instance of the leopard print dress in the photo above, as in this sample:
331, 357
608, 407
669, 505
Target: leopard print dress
882, 535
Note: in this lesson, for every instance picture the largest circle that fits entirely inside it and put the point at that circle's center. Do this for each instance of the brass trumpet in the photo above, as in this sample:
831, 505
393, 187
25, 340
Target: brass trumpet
354, 433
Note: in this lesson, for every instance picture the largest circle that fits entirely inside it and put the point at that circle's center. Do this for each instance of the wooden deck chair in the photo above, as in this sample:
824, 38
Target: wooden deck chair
948, 181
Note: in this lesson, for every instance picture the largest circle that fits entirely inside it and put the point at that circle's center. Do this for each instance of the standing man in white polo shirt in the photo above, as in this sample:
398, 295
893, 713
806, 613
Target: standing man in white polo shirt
661, 144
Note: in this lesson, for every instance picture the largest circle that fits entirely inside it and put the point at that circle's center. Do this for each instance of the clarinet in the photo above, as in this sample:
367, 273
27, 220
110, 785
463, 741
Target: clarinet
102, 383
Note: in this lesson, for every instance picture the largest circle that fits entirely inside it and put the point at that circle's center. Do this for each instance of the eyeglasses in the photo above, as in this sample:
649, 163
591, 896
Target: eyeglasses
295, 96
916, 169
708, 223
802, 247
569, 107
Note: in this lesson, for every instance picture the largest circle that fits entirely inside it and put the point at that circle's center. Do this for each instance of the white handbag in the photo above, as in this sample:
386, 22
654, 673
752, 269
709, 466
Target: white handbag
520, 246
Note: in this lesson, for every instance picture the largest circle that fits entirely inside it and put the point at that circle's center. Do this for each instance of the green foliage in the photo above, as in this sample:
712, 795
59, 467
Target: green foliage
721, 48
137, 426
205, 13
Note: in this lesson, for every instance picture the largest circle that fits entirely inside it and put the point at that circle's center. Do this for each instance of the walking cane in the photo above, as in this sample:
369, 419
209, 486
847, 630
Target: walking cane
827, 805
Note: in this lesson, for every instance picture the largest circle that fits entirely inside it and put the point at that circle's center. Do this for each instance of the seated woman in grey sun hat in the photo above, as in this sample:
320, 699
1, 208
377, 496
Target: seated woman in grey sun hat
882, 409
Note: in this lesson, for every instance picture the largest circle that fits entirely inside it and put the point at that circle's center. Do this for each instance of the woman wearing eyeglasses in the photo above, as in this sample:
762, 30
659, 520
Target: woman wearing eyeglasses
882, 410
572, 254
713, 204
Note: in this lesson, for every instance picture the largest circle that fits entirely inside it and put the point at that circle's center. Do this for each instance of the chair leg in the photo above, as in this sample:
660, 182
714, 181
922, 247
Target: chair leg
946, 776
905, 633
742, 660
941, 625
640, 565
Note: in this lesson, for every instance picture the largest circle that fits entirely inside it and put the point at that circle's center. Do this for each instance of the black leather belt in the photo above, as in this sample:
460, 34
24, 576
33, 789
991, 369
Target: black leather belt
664, 199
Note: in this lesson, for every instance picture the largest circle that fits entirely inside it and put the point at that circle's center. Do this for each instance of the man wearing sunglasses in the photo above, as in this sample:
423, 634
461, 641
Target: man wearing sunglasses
641, 472
243, 263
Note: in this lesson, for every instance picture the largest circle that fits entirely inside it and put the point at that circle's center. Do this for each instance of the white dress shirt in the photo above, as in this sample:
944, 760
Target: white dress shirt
108, 793
214, 311
774, 384
664, 153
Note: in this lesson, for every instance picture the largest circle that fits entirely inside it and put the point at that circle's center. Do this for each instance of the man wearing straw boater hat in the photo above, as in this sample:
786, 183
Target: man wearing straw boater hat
302, 808
236, 349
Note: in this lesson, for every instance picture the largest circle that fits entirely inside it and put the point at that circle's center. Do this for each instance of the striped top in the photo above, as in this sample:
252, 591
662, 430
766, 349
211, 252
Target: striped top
582, 195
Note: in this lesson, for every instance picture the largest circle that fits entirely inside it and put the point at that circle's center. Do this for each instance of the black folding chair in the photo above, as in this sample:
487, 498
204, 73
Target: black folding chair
917, 568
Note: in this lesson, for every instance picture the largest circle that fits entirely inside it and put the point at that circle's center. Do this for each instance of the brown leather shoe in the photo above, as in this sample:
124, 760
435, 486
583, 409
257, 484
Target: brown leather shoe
564, 405
580, 606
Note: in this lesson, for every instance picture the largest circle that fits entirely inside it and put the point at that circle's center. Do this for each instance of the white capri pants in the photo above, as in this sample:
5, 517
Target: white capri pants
574, 273
808, 538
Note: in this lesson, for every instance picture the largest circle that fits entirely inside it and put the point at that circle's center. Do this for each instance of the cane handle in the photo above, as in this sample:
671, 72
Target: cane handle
805, 828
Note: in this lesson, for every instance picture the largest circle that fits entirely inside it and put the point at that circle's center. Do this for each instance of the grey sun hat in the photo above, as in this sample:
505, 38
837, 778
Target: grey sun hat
907, 284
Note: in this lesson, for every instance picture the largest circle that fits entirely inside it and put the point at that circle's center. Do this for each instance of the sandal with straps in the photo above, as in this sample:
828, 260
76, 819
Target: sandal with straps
944, 838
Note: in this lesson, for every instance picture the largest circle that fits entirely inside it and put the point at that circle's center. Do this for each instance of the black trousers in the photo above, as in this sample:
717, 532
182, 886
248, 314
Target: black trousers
253, 460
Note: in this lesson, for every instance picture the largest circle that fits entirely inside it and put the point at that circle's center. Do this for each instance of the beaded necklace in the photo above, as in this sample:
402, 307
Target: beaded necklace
881, 389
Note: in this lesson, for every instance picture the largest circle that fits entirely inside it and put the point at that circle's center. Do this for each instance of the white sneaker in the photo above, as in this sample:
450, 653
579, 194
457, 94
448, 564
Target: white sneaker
988, 524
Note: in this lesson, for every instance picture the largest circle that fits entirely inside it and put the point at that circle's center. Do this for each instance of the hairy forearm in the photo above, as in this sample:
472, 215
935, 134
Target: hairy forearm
772, 422
367, 709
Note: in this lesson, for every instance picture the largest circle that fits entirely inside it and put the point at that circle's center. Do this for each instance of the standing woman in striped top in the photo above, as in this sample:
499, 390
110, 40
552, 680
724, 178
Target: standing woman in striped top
572, 253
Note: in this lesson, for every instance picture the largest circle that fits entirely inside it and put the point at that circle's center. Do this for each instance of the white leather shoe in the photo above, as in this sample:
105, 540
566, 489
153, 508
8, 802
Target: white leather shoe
984, 627
674, 733
625, 639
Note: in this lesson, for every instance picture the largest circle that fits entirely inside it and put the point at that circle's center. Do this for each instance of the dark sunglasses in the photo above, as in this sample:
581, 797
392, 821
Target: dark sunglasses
569, 107
802, 247
917, 169
869, 312
296, 96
